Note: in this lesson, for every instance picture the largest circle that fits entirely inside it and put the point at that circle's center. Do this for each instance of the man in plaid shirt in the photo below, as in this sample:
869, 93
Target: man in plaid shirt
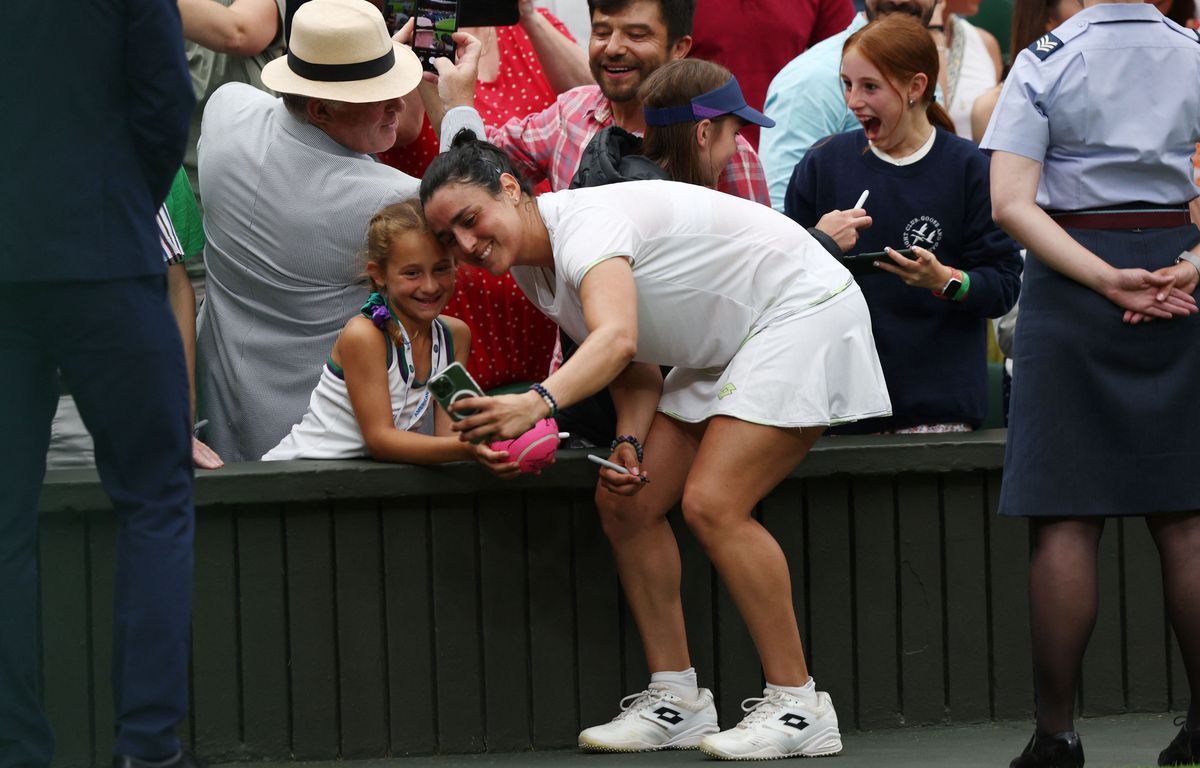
630, 39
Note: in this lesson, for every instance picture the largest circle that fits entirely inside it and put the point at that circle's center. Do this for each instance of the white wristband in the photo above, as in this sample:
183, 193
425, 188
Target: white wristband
1190, 258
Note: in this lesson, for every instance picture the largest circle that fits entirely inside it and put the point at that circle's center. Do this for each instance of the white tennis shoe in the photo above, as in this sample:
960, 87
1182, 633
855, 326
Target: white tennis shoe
779, 725
654, 719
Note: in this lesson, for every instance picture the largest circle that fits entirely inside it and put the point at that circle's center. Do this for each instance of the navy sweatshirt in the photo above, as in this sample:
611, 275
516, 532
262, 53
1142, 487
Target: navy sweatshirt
933, 351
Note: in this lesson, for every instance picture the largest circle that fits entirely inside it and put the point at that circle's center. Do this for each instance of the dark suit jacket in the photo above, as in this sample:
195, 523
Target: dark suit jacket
95, 99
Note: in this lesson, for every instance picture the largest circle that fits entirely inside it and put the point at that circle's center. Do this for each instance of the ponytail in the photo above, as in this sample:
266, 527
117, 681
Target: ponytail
938, 115
673, 147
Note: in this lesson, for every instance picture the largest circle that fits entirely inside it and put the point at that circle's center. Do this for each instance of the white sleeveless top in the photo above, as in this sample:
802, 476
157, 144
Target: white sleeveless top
970, 72
329, 429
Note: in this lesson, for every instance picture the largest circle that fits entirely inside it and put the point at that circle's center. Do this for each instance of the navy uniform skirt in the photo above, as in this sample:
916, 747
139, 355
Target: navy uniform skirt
1105, 416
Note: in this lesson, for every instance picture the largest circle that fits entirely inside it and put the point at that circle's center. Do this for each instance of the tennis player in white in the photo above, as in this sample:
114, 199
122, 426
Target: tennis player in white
770, 343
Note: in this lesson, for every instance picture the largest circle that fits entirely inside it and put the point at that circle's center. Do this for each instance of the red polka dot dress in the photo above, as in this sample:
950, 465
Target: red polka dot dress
511, 341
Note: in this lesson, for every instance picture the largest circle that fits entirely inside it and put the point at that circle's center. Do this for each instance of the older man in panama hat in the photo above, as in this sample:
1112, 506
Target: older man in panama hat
289, 186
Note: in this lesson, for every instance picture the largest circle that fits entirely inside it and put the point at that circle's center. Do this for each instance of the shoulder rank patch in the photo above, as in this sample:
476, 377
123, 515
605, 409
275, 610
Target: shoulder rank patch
1045, 45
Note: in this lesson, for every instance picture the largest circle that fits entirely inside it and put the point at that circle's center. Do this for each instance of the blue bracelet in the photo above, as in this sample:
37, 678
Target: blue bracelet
637, 445
545, 395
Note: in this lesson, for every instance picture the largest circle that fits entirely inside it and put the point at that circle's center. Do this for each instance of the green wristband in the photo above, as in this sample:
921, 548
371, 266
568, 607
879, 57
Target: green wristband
962, 289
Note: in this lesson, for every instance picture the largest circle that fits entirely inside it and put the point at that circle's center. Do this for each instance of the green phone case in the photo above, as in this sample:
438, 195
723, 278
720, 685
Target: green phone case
451, 385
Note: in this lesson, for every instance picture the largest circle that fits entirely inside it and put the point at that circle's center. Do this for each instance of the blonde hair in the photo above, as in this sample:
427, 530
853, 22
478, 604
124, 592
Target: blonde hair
674, 146
386, 226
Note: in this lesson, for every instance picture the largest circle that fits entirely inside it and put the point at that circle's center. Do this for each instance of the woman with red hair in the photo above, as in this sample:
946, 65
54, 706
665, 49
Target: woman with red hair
928, 193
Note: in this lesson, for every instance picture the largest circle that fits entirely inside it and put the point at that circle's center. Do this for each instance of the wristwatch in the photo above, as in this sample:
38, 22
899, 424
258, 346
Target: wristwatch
1190, 258
952, 286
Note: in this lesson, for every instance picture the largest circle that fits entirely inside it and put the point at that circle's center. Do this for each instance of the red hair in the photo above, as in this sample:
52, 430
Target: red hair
900, 48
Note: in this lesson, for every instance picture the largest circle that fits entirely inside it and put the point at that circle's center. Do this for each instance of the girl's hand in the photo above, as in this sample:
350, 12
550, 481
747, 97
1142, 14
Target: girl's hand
620, 484
500, 417
496, 462
924, 271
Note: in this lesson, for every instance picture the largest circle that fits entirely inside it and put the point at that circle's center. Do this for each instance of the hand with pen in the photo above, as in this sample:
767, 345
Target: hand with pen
843, 226
621, 473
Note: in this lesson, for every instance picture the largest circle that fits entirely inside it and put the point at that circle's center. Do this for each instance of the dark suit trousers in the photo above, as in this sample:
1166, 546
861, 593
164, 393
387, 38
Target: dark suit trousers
118, 349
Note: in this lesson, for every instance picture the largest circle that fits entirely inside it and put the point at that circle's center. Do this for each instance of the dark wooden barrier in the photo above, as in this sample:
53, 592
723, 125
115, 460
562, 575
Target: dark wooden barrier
353, 609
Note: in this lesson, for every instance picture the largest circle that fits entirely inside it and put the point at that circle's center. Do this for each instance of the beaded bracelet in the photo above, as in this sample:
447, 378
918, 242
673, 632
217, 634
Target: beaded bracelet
545, 395
637, 445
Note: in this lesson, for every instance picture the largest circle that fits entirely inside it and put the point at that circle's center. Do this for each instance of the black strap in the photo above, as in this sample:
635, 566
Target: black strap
340, 73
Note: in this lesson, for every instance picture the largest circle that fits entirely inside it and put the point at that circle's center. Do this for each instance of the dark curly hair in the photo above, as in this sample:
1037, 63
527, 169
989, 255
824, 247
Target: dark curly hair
678, 15
470, 160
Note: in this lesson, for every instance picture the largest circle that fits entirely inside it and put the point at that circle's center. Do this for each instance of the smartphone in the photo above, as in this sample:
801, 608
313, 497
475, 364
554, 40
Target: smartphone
436, 21
861, 264
452, 384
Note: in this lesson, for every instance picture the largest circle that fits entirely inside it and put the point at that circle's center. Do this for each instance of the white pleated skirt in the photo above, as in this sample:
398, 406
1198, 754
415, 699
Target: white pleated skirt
811, 367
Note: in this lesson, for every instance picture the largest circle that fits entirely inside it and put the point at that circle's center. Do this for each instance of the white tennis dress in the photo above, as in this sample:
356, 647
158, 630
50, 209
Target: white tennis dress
329, 429
758, 320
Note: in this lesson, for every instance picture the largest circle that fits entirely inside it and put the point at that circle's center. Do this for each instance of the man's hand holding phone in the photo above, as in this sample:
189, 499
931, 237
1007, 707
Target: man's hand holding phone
456, 80
452, 85
405, 33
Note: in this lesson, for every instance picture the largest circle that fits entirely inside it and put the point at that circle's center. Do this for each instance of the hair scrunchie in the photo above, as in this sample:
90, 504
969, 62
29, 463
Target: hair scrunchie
376, 310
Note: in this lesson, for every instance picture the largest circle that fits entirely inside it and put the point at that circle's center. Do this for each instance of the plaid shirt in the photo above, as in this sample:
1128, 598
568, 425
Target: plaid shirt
548, 144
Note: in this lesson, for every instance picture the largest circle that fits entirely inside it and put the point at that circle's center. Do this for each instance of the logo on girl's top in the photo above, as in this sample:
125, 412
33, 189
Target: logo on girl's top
923, 231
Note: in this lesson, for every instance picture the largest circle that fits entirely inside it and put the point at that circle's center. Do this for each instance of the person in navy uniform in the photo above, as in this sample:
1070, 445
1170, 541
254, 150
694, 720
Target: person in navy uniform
1092, 172
99, 101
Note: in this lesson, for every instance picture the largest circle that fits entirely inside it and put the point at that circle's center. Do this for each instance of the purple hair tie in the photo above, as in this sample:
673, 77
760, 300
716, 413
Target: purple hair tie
376, 310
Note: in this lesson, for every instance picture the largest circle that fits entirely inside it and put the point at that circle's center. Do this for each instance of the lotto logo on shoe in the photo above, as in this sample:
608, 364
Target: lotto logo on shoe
668, 715
654, 719
794, 721
779, 725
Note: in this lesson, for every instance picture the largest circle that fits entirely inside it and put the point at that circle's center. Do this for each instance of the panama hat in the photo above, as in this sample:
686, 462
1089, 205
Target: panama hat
341, 50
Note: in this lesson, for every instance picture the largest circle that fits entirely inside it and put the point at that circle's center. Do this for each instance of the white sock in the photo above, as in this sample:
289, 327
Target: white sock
806, 692
682, 684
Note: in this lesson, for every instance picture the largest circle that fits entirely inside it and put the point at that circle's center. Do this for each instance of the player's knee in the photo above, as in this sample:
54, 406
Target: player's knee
622, 516
706, 513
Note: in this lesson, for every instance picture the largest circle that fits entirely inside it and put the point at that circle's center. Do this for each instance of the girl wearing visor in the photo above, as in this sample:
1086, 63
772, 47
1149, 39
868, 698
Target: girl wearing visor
770, 343
694, 109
